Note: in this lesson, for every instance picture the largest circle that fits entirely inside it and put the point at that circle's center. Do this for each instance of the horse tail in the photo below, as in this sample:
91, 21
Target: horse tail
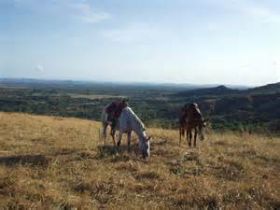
181, 133
104, 123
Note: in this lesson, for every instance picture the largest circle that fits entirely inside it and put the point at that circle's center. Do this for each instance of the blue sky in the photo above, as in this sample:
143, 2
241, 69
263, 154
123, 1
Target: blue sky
176, 41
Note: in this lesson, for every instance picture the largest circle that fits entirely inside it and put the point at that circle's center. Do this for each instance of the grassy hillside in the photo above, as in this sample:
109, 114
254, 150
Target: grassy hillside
53, 162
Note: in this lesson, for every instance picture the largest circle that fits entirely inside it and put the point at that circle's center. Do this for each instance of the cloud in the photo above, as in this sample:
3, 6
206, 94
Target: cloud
39, 68
95, 17
261, 13
82, 10
85, 12
134, 32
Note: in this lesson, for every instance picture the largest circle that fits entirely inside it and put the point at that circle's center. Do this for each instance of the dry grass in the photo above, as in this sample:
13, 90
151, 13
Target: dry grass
48, 162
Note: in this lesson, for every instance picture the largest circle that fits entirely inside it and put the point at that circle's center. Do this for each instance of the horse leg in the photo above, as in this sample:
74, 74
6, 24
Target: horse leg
128, 140
104, 128
120, 138
195, 135
113, 136
189, 137
180, 134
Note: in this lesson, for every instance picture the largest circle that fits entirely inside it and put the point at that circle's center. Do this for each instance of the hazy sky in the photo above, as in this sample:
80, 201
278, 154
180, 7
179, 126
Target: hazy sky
177, 41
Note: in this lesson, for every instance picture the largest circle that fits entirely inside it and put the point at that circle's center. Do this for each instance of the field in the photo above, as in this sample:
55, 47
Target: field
55, 162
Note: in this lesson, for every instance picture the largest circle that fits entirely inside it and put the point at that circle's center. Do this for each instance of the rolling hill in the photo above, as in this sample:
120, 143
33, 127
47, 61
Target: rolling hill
55, 162
212, 91
266, 89
248, 109
227, 108
222, 90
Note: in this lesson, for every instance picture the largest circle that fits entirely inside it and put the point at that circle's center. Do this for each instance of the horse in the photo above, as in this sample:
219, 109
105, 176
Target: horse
126, 123
191, 120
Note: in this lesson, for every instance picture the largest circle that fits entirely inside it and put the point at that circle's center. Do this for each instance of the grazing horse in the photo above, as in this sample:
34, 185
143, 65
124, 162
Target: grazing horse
126, 123
191, 119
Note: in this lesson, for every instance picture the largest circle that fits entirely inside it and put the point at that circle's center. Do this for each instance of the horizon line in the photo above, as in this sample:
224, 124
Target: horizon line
134, 82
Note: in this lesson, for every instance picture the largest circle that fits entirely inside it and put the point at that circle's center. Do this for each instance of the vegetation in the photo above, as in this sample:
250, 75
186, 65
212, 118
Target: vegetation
55, 162
252, 110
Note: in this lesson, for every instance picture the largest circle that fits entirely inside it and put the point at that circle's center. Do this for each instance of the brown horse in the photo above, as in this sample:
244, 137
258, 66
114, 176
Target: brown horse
191, 120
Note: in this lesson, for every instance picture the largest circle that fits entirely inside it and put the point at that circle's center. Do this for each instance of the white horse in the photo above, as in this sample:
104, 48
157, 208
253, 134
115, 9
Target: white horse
128, 122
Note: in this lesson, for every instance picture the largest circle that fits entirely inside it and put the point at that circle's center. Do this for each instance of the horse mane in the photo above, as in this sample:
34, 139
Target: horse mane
135, 117
190, 113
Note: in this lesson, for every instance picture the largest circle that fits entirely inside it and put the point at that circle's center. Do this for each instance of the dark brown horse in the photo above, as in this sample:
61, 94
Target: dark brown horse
191, 120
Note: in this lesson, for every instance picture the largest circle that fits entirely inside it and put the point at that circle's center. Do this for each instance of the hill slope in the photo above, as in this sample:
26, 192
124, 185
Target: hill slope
251, 109
223, 90
50, 162
266, 89
212, 91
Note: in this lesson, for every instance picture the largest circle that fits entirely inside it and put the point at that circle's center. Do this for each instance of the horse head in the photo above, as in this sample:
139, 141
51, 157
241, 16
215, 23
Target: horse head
144, 144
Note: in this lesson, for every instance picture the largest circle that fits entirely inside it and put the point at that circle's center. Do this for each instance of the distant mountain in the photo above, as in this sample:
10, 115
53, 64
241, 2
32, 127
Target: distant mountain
214, 91
222, 90
266, 89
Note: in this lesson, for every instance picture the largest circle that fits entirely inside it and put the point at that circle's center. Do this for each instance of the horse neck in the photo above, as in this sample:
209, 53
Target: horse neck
136, 124
194, 114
